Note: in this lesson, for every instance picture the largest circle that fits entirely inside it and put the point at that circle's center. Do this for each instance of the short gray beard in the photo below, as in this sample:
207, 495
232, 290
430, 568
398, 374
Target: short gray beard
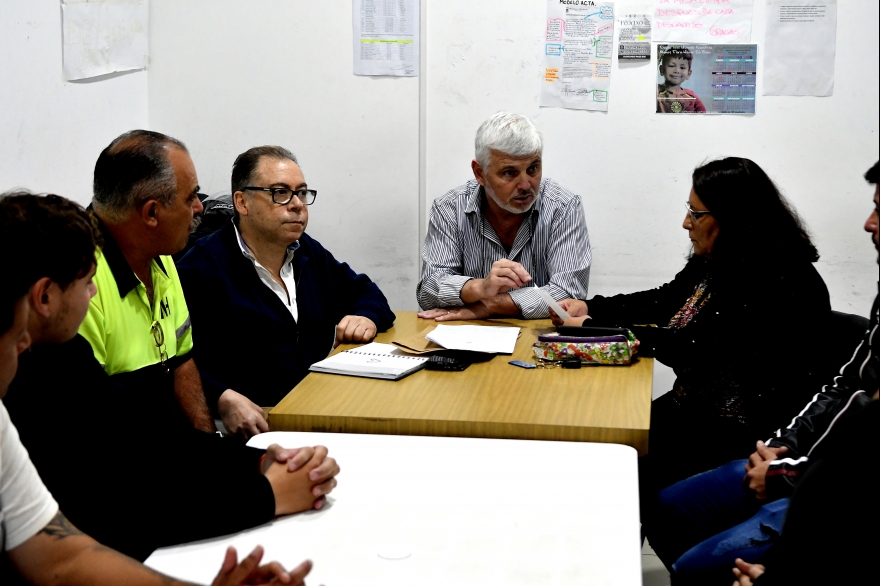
196, 222
507, 207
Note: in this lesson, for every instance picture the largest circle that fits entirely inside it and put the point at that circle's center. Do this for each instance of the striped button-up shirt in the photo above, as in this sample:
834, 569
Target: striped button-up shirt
552, 244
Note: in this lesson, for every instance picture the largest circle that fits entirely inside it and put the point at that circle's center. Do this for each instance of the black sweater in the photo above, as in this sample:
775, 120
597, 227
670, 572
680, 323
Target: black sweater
133, 478
764, 331
831, 529
245, 339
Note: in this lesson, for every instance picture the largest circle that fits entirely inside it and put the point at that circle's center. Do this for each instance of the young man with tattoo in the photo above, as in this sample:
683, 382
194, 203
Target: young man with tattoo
40, 544
187, 484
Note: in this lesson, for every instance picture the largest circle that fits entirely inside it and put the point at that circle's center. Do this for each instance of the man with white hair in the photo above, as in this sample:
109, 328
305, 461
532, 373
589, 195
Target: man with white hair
490, 240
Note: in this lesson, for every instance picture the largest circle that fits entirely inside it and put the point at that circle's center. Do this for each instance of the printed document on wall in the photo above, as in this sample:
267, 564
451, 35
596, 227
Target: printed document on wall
578, 46
385, 37
799, 47
103, 37
703, 21
634, 38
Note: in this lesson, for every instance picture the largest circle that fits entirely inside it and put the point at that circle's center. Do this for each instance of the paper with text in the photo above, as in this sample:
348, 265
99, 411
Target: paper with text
490, 339
634, 36
385, 37
800, 41
578, 46
703, 21
103, 37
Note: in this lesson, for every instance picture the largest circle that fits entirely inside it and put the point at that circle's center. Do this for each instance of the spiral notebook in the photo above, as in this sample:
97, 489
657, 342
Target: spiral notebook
372, 361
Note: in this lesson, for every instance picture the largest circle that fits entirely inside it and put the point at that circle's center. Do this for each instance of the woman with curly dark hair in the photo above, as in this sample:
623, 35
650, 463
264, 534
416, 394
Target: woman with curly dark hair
743, 325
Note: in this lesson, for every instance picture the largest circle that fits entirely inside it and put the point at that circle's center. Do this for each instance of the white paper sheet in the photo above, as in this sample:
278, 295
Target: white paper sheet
491, 339
103, 37
799, 47
548, 299
578, 46
385, 37
702, 21
380, 348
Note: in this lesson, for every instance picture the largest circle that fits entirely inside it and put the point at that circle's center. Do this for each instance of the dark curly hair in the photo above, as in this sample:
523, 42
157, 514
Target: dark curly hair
757, 226
42, 236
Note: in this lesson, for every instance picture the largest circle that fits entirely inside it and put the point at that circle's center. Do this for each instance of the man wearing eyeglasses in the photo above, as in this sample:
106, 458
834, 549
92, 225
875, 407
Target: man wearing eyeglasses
129, 480
269, 301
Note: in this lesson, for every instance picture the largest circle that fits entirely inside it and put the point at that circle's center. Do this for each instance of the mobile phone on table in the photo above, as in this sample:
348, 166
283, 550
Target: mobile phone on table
522, 364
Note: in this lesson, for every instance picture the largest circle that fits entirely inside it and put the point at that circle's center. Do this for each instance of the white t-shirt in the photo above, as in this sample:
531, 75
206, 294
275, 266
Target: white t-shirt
26, 506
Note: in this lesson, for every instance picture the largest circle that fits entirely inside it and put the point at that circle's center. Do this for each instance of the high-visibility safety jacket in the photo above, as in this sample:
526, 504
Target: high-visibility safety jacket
121, 322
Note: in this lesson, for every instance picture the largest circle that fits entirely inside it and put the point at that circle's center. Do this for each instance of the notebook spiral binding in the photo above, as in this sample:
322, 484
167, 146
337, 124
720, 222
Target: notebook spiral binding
379, 354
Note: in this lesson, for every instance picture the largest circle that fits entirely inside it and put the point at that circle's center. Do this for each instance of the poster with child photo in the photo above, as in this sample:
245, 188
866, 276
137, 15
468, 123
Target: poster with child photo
706, 79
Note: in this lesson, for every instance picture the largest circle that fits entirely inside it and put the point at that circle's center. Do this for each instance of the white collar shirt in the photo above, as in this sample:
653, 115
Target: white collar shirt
288, 297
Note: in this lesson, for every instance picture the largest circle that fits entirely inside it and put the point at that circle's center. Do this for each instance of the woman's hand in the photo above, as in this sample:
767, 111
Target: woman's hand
574, 307
746, 572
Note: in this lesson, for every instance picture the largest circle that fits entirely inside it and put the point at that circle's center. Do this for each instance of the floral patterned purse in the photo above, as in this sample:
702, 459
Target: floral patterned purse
617, 349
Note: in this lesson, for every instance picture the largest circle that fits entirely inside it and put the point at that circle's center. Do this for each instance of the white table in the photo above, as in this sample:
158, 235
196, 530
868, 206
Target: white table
413, 510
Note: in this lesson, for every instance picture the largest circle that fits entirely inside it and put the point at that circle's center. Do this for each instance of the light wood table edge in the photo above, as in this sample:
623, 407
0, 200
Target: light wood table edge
638, 439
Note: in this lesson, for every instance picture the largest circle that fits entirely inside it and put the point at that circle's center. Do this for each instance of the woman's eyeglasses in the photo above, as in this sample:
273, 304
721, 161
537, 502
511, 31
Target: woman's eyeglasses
694, 214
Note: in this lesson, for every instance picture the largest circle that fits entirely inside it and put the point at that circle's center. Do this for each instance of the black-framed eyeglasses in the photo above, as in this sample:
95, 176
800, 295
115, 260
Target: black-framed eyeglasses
283, 195
694, 214
159, 338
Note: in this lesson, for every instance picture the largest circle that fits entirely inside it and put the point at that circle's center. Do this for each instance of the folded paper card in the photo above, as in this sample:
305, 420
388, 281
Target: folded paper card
490, 339
551, 303
418, 343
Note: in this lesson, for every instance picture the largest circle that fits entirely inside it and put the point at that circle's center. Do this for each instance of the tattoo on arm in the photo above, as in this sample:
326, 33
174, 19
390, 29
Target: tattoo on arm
107, 559
60, 527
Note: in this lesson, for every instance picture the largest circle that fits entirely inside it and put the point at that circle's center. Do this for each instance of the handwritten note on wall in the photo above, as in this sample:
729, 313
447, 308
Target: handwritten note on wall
577, 54
703, 21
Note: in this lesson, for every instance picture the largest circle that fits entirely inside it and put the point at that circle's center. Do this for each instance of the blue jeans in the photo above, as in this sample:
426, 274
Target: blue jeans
707, 521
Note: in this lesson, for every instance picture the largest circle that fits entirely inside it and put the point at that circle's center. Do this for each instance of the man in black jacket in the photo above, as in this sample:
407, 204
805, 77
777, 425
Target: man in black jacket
128, 476
830, 533
739, 509
268, 301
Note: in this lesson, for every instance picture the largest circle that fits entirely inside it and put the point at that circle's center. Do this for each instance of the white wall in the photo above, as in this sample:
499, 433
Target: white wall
52, 131
633, 167
227, 76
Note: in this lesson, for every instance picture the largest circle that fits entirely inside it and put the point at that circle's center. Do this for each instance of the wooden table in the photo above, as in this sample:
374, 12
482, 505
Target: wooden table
432, 511
609, 404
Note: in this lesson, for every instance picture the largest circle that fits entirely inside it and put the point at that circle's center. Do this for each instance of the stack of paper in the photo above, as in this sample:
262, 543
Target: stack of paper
489, 339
